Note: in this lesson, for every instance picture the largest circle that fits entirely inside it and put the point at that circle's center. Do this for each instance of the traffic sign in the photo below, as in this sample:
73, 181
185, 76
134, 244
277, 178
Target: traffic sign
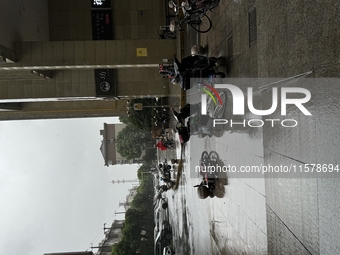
138, 107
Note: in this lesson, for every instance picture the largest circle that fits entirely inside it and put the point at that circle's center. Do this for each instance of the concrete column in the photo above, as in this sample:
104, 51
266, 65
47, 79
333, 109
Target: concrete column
91, 54
69, 109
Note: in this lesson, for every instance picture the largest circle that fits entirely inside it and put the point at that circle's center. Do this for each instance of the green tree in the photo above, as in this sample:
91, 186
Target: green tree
143, 169
141, 120
124, 119
130, 142
150, 155
123, 247
139, 217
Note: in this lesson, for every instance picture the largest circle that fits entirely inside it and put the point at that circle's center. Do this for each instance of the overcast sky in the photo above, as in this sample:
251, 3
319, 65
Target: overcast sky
55, 192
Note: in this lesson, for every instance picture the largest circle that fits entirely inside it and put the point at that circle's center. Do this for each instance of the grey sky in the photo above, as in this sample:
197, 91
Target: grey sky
55, 192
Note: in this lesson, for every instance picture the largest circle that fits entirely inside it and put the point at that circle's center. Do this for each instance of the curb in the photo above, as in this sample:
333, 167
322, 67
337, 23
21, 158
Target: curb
183, 92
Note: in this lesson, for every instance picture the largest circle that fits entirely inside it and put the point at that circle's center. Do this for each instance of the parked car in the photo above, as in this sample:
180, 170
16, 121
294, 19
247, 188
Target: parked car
163, 238
161, 216
161, 202
165, 174
166, 230
156, 198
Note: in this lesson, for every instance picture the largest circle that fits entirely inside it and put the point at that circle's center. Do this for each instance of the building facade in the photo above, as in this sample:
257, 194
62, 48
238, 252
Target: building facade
90, 56
130, 197
112, 236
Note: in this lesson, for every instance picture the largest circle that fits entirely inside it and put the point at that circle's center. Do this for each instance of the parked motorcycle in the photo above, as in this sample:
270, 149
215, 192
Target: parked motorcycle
166, 176
182, 130
164, 168
169, 143
208, 184
167, 69
161, 117
184, 112
194, 66
190, 117
197, 65
183, 133
167, 186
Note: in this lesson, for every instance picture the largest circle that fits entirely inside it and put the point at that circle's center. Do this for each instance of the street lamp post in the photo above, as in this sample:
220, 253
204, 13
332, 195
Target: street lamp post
140, 106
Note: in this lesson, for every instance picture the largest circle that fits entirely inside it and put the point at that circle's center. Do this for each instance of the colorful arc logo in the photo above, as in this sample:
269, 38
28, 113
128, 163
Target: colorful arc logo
211, 94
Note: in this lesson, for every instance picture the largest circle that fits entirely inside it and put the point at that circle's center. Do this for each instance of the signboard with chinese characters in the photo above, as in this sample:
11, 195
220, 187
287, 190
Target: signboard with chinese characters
105, 83
102, 25
101, 4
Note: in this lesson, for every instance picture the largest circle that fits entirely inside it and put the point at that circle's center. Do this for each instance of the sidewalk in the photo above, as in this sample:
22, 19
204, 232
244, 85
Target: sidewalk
301, 214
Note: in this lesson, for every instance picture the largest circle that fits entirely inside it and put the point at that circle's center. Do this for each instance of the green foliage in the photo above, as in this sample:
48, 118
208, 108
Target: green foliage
130, 142
139, 217
122, 248
124, 119
141, 120
150, 155
145, 185
143, 169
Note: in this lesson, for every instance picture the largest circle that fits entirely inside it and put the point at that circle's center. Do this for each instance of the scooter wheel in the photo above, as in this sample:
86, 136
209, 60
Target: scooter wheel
165, 205
213, 156
205, 156
174, 161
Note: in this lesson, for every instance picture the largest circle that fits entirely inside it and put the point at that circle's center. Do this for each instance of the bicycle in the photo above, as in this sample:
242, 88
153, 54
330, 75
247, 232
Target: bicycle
209, 179
217, 110
216, 102
195, 17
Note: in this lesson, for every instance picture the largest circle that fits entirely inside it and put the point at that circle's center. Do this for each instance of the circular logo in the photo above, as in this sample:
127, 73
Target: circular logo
105, 86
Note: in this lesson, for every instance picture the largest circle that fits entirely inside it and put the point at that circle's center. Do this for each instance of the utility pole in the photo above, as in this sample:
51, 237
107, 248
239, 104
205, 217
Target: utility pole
123, 181
119, 212
105, 227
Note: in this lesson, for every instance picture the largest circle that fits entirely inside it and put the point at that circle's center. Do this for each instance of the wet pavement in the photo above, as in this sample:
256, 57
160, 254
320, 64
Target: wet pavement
235, 223
267, 213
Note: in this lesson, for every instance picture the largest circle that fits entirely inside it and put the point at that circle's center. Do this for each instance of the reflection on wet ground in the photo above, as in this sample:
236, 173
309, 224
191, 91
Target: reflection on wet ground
234, 218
